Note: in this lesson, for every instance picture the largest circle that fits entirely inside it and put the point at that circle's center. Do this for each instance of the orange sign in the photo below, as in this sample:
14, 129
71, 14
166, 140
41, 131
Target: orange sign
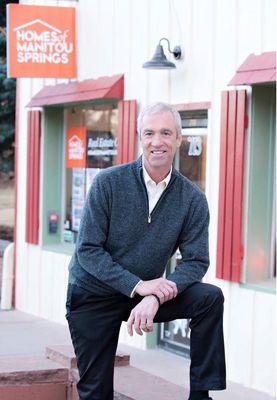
76, 148
41, 41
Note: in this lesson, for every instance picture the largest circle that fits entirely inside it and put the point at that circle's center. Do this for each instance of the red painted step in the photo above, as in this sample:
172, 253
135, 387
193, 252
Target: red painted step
32, 378
64, 355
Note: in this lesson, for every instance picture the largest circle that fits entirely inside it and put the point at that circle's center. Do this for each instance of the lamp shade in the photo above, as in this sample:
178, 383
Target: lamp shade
159, 60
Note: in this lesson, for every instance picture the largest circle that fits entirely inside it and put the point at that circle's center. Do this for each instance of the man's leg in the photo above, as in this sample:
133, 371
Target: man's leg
203, 304
94, 324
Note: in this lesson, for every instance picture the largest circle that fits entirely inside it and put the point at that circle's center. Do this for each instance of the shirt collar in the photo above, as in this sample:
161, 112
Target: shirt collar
148, 178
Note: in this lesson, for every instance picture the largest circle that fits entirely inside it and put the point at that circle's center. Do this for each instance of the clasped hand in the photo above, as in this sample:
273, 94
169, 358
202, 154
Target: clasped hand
142, 316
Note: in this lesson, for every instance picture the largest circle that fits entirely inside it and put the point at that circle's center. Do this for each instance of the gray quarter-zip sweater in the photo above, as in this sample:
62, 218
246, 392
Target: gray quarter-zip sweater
119, 243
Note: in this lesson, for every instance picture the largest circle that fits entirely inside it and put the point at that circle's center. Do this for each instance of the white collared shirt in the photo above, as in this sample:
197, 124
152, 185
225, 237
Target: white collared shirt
154, 191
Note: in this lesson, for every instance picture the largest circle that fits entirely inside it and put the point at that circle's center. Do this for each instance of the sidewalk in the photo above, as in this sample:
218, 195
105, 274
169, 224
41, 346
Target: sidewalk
24, 334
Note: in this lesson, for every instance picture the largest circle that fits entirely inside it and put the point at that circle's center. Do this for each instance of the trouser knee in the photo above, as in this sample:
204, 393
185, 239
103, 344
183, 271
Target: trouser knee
214, 296
216, 293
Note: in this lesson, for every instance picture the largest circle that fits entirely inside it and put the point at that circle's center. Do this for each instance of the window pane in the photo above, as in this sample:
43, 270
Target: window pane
98, 136
192, 159
259, 244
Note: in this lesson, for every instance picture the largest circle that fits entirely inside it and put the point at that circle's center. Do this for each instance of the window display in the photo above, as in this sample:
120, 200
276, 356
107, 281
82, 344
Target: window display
90, 145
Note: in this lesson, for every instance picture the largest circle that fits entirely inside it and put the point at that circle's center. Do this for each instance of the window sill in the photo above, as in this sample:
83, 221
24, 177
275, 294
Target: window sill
268, 286
62, 248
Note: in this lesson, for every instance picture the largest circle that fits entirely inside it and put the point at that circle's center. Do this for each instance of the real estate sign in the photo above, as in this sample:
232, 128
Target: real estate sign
41, 41
76, 147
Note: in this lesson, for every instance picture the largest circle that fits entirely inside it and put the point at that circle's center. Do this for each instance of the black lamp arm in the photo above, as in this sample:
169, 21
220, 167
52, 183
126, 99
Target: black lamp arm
168, 44
176, 51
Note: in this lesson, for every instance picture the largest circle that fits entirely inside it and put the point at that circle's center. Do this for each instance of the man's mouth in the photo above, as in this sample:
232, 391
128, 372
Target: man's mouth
158, 151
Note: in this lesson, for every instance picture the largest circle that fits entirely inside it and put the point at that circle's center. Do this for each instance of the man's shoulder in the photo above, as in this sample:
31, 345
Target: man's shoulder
188, 187
117, 171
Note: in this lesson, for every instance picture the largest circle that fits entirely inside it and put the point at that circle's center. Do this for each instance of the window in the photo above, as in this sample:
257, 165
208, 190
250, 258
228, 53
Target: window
79, 141
259, 228
191, 158
90, 145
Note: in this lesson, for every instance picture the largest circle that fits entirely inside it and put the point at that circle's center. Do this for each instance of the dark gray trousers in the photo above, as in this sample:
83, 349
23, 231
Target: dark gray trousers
94, 324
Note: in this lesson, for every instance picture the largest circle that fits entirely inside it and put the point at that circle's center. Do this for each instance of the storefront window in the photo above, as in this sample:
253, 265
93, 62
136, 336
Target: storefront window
90, 145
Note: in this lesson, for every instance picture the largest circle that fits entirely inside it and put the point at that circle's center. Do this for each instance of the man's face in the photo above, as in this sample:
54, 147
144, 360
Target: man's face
159, 140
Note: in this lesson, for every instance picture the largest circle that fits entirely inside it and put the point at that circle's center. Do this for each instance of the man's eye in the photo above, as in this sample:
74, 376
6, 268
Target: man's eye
147, 133
167, 133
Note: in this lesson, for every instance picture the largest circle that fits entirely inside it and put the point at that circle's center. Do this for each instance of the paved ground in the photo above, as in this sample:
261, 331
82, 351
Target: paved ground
21, 333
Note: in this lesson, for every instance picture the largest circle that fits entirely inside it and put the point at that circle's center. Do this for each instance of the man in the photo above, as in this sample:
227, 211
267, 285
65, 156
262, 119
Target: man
135, 217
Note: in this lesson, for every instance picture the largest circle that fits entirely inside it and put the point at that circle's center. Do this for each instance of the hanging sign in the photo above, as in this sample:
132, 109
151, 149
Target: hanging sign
41, 41
76, 148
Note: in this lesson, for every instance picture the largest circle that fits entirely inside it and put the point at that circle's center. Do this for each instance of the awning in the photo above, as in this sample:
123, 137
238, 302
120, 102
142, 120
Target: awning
256, 69
75, 92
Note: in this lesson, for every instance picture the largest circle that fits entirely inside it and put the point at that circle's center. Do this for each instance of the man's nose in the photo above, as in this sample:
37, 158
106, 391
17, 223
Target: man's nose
156, 140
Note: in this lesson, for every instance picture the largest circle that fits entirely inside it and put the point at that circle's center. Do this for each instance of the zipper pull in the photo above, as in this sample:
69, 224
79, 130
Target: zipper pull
149, 219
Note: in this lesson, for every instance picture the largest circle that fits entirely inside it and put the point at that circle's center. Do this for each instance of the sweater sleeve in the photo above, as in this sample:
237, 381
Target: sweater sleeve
90, 248
193, 245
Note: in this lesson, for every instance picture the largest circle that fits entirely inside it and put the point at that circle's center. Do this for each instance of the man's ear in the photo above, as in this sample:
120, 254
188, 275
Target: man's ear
179, 140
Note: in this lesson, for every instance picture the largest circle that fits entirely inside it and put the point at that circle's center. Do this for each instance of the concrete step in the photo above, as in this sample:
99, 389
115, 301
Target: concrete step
55, 377
73, 395
40, 378
139, 385
32, 378
45, 391
130, 383
32, 369
64, 355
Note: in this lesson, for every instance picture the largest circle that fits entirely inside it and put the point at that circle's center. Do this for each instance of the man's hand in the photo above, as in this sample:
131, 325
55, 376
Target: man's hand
142, 316
161, 287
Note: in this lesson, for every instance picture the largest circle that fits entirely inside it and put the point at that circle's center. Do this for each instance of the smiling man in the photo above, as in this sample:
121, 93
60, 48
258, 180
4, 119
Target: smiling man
135, 217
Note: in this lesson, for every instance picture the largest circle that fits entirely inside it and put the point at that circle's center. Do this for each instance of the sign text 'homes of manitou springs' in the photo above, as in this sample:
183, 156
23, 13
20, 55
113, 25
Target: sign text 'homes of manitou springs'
41, 41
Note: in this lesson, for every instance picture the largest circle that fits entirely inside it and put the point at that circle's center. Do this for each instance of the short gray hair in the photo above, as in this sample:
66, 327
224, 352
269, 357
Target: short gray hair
156, 108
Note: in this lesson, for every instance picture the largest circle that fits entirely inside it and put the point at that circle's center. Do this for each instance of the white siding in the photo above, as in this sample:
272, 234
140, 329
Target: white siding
117, 37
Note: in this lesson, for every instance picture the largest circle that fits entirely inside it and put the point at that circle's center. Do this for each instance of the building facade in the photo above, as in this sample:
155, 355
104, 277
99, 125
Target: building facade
224, 88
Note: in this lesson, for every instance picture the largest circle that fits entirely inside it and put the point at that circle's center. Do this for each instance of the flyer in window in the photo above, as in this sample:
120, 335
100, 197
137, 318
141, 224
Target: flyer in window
77, 208
78, 183
90, 175
101, 149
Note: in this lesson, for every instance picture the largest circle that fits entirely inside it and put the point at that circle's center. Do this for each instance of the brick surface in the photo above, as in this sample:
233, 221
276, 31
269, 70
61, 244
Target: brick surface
122, 359
35, 369
64, 355
33, 392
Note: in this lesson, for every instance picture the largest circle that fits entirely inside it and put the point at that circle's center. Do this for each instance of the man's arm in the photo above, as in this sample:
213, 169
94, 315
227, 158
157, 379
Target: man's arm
90, 247
193, 245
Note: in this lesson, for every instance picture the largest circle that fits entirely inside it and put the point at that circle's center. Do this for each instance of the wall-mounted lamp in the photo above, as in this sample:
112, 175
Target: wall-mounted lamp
159, 60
